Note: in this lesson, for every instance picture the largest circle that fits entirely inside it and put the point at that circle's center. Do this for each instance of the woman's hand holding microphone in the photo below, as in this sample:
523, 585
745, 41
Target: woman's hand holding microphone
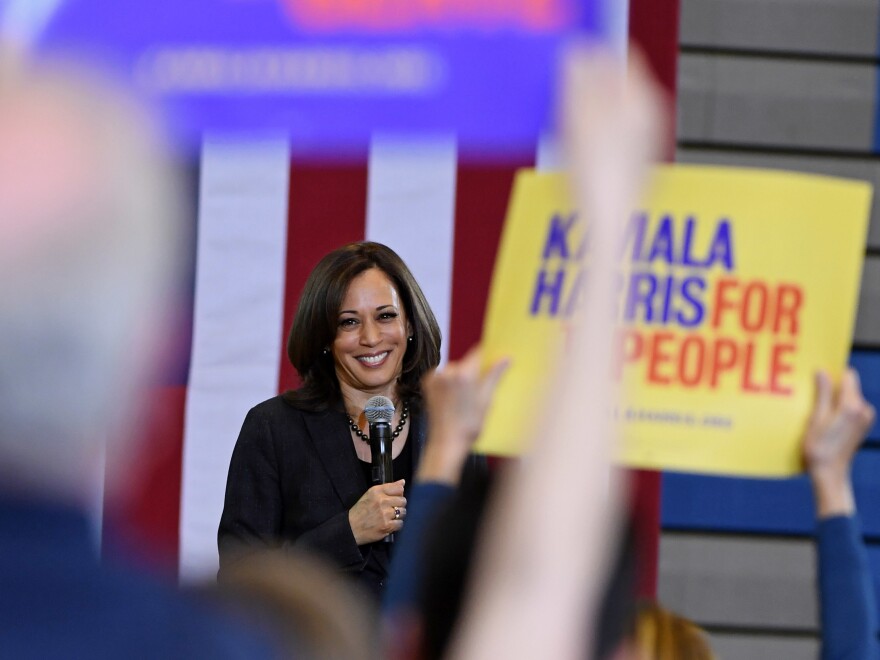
379, 512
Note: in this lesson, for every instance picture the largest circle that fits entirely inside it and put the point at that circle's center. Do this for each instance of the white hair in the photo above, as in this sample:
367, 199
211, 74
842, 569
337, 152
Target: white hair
88, 222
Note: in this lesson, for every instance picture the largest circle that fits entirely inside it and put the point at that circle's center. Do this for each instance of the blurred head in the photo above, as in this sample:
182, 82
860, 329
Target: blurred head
338, 332
87, 222
305, 604
662, 635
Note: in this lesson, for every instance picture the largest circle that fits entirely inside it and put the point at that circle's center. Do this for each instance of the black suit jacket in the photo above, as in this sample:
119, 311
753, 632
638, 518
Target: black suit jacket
292, 479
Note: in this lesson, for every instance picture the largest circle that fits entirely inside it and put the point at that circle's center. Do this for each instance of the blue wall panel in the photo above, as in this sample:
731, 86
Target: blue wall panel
768, 506
874, 560
867, 363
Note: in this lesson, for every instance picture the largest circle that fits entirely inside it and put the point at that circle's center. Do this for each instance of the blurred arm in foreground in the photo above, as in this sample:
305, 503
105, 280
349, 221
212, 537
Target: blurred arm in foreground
457, 397
550, 530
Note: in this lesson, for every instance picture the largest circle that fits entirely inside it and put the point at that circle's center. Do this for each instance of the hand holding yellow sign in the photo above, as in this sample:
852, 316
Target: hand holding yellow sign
735, 286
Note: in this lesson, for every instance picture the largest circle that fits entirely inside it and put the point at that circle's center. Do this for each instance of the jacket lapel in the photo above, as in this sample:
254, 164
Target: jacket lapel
332, 441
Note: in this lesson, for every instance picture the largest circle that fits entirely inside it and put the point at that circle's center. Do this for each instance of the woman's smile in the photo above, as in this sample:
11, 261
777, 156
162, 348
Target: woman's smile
374, 360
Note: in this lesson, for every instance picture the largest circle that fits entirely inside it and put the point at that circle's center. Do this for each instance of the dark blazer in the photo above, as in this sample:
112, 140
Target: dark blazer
292, 479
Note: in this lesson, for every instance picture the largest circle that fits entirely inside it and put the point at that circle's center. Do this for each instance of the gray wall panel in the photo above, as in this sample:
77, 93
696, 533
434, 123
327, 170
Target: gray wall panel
736, 581
865, 169
868, 320
742, 647
784, 85
838, 27
776, 103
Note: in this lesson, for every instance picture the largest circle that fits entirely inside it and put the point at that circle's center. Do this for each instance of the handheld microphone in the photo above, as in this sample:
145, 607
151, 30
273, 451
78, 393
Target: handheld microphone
379, 412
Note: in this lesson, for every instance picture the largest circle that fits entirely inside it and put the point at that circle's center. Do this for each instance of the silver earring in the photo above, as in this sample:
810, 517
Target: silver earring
326, 351
410, 338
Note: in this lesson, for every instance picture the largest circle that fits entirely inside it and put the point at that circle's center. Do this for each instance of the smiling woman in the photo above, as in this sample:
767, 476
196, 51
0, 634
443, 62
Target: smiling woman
371, 338
300, 471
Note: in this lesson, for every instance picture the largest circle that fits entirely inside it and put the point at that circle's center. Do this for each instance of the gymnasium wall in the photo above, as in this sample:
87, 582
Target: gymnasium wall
788, 84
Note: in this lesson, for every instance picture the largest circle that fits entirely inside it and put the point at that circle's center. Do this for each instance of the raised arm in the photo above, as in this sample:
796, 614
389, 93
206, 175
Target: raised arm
457, 398
541, 561
846, 599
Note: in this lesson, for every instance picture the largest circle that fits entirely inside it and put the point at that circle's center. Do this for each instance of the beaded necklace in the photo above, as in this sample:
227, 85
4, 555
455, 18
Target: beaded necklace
396, 432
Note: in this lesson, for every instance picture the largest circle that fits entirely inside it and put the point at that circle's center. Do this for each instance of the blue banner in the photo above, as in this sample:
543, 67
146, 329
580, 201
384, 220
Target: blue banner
329, 72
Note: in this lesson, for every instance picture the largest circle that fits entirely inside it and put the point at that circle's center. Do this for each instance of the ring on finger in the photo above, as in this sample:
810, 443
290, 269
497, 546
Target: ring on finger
396, 513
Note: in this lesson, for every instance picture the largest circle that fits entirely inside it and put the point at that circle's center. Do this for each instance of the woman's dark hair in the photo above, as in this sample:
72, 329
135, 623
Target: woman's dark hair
317, 317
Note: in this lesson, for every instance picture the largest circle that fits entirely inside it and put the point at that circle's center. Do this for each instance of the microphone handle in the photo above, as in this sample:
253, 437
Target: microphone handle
380, 450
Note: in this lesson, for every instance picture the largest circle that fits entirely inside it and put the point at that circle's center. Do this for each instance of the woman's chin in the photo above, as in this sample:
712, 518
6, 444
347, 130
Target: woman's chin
377, 383
371, 379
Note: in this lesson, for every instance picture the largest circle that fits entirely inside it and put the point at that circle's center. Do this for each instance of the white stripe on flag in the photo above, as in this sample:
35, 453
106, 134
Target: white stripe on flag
236, 327
549, 154
411, 208
618, 25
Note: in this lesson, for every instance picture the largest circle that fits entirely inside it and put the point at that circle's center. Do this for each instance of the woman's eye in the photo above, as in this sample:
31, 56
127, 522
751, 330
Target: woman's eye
386, 316
347, 323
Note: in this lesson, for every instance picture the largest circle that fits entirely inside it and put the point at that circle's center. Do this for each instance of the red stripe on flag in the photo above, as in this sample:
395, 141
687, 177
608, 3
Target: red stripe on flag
145, 525
653, 25
645, 511
327, 208
482, 194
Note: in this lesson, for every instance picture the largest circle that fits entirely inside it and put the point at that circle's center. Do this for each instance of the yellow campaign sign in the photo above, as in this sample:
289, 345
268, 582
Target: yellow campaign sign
734, 287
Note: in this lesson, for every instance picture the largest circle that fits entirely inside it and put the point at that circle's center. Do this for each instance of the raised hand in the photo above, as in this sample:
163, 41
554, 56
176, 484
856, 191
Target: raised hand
457, 397
834, 433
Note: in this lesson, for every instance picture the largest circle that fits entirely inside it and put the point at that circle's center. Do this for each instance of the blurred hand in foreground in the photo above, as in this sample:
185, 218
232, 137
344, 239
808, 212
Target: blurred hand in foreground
458, 397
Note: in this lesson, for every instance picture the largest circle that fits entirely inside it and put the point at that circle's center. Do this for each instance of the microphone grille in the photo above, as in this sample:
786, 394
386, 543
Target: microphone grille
379, 409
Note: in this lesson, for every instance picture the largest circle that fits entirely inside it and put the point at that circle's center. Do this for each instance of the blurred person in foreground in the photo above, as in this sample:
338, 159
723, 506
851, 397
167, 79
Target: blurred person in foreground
430, 568
87, 254
555, 519
663, 635
303, 602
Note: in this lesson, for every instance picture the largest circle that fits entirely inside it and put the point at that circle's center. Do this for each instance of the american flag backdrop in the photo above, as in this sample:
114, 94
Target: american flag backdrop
265, 216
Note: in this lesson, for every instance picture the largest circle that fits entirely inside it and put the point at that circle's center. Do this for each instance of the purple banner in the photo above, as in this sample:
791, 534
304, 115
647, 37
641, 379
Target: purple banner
331, 73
